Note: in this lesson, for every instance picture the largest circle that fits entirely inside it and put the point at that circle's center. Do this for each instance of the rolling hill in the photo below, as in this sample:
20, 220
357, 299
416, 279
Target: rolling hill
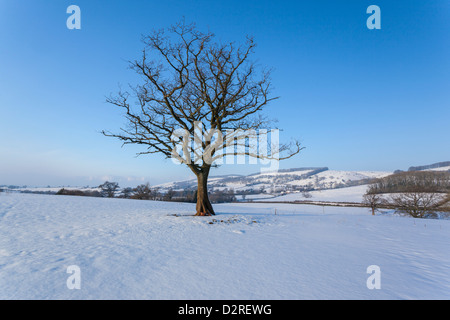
291, 180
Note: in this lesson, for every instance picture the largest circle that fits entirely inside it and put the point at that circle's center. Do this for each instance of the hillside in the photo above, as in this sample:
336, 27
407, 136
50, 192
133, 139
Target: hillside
268, 185
292, 180
439, 166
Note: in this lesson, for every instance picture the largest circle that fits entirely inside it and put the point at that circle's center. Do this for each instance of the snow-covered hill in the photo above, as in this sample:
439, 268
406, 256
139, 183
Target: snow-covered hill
446, 168
439, 166
266, 185
283, 181
290, 182
349, 194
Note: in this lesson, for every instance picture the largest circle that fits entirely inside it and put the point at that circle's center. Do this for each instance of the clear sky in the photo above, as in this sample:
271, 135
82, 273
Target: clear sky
357, 99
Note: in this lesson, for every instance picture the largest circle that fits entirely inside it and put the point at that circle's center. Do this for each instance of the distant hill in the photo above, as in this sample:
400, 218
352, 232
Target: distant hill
441, 166
275, 183
287, 180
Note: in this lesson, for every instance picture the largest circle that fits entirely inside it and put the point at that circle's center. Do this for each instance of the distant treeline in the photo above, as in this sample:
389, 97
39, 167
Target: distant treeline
72, 192
431, 166
412, 181
145, 192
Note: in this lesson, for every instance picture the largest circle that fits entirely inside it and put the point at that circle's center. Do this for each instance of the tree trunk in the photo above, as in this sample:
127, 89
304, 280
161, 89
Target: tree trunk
204, 207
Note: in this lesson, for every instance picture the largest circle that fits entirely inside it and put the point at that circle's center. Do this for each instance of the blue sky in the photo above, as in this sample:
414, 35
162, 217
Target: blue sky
357, 99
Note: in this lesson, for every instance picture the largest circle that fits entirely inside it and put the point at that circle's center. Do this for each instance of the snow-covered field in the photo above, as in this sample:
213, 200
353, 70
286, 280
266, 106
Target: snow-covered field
130, 249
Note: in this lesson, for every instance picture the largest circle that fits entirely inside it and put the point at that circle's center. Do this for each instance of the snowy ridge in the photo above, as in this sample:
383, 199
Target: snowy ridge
265, 185
447, 168
292, 180
439, 166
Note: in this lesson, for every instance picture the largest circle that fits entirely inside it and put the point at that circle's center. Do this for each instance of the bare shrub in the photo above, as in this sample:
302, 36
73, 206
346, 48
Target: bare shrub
418, 204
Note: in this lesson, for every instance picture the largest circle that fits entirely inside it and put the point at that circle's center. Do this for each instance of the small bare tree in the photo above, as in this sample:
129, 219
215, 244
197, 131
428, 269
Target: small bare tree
373, 200
196, 85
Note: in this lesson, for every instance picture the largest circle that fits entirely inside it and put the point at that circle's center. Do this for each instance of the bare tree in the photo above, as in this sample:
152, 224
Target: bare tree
418, 204
127, 192
108, 189
142, 192
373, 200
196, 85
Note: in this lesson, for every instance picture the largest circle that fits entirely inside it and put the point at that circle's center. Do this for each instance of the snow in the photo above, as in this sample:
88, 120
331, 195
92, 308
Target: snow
439, 169
131, 249
283, 180
335, 175
349, 194
283, 173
